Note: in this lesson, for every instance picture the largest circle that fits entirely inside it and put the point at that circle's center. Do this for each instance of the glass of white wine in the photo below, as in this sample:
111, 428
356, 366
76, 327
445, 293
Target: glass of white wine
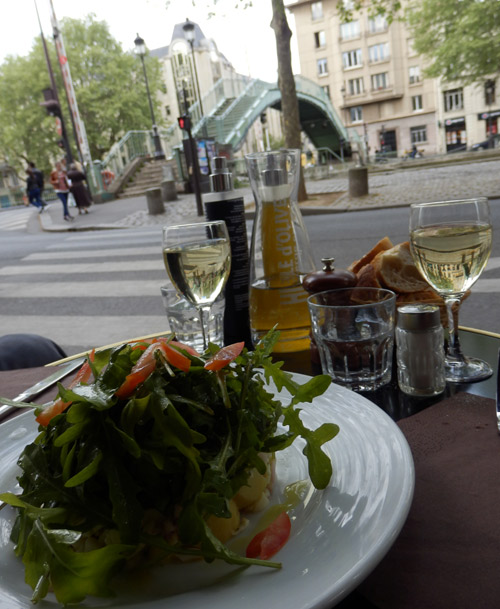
198, 260
451, 243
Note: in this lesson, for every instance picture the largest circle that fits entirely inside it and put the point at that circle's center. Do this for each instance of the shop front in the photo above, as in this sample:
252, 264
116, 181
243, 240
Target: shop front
491, 122
456, 135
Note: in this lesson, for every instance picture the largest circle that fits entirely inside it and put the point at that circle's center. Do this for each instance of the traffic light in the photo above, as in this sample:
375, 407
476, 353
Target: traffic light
52, 106
184, 122
263, 118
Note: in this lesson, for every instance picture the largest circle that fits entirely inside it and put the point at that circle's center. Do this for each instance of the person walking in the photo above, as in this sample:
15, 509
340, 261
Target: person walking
59, 181
33, 190
39, 177
78, 188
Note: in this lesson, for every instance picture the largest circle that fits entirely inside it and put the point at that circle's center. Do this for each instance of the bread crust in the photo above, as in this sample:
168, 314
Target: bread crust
383, 245
396, 270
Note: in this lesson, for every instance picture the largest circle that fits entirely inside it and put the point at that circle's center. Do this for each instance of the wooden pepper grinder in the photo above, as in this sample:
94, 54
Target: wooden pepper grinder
328, 278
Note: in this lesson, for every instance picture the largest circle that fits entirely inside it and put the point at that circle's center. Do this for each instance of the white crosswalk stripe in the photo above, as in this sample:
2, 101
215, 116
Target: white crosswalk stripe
92, 292
15, 218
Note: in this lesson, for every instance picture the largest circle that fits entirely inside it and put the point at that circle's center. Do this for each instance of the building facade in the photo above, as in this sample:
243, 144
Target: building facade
193, 75
374, 77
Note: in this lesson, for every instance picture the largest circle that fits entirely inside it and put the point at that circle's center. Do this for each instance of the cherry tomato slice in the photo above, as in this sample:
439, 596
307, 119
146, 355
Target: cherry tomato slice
146, 364
269, 541
224, 356
58, 406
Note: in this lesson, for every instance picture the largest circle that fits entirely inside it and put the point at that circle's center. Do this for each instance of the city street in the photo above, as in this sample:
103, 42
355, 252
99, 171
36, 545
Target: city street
96, 287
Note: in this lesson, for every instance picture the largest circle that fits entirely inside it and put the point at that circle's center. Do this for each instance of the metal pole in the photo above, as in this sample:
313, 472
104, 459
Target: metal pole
64, 135
156, 137
196, 165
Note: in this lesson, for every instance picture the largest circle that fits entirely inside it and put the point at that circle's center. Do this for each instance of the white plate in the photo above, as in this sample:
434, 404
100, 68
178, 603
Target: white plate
338, 535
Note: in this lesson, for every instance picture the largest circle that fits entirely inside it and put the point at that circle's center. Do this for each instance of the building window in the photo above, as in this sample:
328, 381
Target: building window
322, 67
489, 92
356, 114
326, 89
356, 86
453, 100
378, 52
416, 103
418, 134
319, 39
351, 59
317, 10
414, 72
380, 81
349, 30
377, 24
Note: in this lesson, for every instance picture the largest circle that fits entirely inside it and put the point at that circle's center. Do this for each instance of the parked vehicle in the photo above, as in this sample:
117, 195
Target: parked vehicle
414, 153
493, 141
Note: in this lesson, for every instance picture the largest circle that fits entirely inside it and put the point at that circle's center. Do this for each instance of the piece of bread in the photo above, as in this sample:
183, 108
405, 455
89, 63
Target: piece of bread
396, 270
367, 277
381, 246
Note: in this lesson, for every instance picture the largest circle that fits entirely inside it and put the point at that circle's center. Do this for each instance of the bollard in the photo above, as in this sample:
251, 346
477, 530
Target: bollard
358, 181
155, 201
168, 190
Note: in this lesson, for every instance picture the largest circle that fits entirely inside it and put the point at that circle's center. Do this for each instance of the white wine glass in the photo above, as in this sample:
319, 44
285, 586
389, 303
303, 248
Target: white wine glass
198, 260
451, 243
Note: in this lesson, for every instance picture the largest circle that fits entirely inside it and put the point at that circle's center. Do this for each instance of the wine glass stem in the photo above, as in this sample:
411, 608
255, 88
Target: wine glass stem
204, 317
454, 352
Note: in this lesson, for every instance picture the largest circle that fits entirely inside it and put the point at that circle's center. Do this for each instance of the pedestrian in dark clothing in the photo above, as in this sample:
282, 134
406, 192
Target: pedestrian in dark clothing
79, 189
39, 177
33, 191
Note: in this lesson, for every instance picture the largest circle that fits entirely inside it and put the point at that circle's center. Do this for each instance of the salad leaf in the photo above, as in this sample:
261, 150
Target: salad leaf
115, 474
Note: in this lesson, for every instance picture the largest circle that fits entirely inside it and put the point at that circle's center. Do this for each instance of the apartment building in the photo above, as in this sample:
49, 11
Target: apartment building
371, 73
201, 77
375, 79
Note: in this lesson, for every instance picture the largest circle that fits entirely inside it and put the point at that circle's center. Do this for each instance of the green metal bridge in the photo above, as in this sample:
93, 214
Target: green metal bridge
229, 110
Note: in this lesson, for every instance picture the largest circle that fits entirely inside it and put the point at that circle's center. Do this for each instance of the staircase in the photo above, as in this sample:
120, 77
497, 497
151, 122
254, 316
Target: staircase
149, 175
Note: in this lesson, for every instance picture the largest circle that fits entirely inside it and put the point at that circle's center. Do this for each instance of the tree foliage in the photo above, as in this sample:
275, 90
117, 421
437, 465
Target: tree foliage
459, 38
109, 87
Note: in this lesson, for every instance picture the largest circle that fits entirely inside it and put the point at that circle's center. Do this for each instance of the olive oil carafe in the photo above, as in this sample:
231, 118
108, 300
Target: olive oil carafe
280, 253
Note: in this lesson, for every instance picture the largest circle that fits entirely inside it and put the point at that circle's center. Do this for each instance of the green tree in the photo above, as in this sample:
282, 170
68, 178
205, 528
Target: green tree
460, 38
109, 87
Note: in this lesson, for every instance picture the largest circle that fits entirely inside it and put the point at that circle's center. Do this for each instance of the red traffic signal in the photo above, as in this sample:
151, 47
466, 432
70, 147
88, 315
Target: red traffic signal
184, 122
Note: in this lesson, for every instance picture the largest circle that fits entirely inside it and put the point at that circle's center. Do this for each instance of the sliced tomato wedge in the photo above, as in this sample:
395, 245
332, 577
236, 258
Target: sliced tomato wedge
224, 356
269, 541
146, 364
58, 406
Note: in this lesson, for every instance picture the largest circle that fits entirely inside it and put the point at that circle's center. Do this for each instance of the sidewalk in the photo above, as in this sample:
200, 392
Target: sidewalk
388, 187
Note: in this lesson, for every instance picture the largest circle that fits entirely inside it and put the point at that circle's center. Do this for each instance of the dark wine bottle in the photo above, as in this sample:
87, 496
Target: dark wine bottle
223, 203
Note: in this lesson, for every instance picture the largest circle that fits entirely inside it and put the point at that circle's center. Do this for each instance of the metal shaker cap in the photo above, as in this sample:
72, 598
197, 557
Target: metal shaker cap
221, 179
418, 317
273, 175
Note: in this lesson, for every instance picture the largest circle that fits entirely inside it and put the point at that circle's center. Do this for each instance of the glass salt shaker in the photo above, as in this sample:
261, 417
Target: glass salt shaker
420, 350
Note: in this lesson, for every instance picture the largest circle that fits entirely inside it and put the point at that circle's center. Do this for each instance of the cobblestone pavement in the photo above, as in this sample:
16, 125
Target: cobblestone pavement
388, 187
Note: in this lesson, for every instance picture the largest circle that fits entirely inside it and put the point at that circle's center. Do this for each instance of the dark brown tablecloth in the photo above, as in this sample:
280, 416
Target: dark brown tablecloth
448, 553
12, 382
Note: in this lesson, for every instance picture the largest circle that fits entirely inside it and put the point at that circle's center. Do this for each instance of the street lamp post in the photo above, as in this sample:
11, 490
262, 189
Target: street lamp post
188, 28
140, 49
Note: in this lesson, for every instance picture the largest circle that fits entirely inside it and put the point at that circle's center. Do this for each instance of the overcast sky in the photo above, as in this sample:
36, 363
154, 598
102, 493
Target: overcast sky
244, 36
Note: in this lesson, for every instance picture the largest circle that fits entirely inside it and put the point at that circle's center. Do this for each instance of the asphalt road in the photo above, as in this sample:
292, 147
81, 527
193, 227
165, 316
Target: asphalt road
93, 288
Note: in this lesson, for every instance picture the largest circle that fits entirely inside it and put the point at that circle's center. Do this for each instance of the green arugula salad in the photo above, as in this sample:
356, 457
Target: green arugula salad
146, 453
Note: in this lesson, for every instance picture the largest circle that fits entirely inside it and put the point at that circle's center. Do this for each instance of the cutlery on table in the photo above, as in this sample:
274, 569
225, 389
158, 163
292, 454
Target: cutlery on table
42, 385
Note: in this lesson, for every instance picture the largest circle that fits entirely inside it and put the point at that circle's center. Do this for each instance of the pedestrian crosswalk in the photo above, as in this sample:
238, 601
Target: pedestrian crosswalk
16, 218
87, 289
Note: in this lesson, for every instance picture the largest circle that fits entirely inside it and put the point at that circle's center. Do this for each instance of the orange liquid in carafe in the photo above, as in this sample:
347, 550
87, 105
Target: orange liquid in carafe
279, 298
